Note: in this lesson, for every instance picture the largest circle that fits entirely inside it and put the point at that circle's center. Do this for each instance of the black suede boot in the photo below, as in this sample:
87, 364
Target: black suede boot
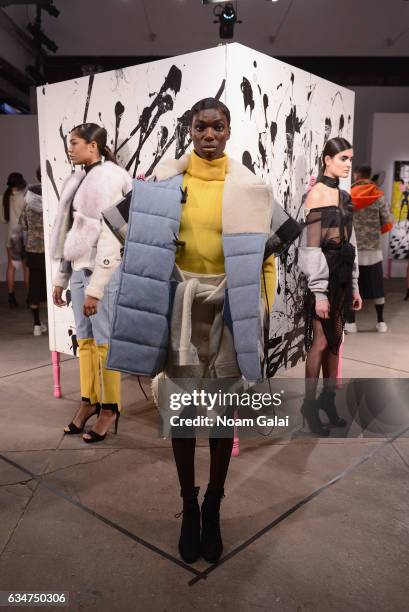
309, 411
189, 541
327, 404
212, 544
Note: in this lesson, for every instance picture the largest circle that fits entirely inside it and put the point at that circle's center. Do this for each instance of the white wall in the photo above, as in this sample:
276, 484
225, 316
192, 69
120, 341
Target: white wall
370, 100
19, 152
390, 143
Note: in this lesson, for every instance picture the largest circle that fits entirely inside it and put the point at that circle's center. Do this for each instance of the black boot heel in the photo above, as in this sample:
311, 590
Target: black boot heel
327, 404
309, 411
212, 543
189, 541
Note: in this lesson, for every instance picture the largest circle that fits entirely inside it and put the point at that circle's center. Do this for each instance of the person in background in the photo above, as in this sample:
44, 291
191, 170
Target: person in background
89, 260
31, 222
10, 210
327, 257
372, 218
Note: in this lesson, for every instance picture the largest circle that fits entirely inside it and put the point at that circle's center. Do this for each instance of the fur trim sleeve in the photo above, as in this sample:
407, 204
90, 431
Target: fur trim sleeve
82, 236
100, 189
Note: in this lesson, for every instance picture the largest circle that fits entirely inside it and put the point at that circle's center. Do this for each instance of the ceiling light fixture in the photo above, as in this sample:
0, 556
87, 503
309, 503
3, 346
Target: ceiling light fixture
226, 18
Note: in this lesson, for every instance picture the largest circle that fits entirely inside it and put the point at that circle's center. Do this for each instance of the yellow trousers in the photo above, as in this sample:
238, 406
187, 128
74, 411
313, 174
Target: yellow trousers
98, 385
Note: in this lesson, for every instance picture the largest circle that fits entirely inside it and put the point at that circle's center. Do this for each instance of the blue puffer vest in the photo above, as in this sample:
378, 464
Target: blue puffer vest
140, 332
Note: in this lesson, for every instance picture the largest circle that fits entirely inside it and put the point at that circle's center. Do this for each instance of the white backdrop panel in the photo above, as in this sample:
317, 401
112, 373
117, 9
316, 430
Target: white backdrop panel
281, 119
143, 109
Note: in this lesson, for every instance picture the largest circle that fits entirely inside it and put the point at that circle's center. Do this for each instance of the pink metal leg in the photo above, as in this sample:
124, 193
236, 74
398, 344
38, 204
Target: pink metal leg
55, 360
339, 373
236, 444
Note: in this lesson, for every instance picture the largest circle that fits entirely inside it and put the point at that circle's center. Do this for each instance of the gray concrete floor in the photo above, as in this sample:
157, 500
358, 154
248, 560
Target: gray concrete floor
309, 524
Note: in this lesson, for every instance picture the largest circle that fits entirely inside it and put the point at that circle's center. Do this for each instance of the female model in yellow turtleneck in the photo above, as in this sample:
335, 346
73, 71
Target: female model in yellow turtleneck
202, 254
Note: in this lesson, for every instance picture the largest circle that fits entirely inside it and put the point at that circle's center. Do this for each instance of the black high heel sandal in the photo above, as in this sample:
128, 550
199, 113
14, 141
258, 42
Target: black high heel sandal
96, 437
309, 411
327, 404
74, 430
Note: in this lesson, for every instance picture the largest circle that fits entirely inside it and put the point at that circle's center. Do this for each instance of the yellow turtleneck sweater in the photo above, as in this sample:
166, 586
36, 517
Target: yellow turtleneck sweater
201, 222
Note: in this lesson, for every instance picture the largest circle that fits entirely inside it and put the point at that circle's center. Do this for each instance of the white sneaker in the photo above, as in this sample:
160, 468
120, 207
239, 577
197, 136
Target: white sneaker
44, 327
351, 328
37, 330
381, 327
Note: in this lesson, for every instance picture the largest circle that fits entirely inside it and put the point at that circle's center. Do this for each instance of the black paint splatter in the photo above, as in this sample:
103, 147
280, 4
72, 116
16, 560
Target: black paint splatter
49, 170
273, 131
64, 140
90, 84
247, 92
247, 161
119, 111
265, 105
150, 115
255, 64
262, 150
279, 85
328, 130
74, 340
182, 134
341, 124
292, 126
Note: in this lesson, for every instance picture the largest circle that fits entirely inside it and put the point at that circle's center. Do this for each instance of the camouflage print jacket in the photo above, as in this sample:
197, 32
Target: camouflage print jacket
372, 215
31, 220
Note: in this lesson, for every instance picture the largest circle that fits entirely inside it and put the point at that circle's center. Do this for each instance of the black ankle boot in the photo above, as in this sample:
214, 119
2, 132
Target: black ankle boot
309, 411
189, 541
212, 544
327, 404
12, 300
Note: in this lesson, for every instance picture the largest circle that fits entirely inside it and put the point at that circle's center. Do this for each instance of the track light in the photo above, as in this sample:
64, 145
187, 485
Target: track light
227, 19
